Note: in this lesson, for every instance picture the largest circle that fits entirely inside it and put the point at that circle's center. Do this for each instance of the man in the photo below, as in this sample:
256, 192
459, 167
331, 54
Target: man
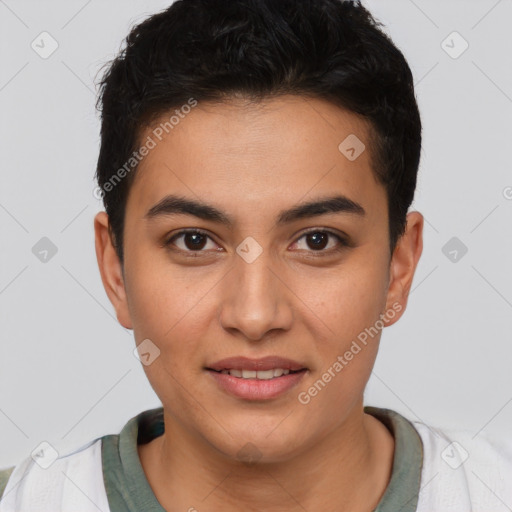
257, 163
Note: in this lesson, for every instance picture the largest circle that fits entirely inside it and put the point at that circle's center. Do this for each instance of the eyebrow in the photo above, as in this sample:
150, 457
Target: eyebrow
176, 205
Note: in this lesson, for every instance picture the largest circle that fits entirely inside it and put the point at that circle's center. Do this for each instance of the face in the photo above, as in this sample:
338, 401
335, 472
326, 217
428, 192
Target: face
257, 262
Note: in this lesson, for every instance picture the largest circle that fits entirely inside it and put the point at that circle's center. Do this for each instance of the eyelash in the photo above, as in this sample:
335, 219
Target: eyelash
343, 243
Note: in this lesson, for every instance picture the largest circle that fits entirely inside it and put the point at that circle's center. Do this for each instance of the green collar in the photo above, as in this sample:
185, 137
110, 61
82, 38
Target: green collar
403, 489
129, 491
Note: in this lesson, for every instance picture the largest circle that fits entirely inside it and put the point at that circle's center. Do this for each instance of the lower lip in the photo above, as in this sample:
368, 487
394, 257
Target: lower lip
257, 389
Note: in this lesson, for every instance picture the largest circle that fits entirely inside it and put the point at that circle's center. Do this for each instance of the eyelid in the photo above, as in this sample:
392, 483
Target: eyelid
340, 235
168, 241
343, 240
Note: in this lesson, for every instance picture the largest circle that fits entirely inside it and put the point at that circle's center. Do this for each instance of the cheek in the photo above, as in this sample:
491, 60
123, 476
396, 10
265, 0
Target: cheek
161, 308
171, 315
346, 301
355, 314
347, 357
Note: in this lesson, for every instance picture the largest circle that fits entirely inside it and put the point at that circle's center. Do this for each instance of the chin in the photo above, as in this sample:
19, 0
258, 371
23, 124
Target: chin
262, 443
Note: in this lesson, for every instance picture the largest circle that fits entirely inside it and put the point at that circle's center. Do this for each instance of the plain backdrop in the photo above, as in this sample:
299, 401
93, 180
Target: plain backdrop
67, 369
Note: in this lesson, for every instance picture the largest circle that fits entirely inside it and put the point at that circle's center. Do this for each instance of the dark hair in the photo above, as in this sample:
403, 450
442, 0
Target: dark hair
211, 50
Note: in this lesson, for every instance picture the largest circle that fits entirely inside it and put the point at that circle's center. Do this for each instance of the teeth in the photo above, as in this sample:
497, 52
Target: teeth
265, 375
253, 374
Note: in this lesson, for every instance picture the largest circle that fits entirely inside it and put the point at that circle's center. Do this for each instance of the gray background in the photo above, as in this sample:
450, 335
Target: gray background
67, 370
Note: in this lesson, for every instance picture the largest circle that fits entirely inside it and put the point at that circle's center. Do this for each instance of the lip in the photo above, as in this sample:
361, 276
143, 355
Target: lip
256, 389
263, 363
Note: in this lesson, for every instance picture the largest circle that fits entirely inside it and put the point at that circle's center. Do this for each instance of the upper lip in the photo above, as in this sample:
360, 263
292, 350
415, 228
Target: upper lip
263, 363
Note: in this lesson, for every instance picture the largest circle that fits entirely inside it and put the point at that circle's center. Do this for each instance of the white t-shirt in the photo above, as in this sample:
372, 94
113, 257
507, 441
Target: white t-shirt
433, 471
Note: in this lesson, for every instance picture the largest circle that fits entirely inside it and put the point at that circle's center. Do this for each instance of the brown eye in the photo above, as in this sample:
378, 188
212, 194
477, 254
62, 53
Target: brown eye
194, 241
317, 240
190, 241
321, 241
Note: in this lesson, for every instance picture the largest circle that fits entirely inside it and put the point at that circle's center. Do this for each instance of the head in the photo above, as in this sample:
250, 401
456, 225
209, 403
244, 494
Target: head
285, 138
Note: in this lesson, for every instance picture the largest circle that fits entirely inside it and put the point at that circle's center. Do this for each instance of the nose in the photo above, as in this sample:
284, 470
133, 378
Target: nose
256, 300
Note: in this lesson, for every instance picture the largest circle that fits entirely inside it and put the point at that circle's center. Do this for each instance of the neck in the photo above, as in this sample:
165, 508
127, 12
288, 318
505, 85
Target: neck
348, 469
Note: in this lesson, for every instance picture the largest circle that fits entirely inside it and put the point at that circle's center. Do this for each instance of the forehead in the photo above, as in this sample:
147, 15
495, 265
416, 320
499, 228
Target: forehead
245, 154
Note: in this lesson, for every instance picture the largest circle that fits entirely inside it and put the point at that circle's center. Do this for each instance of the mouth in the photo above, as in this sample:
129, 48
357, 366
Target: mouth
258, 374
256, 379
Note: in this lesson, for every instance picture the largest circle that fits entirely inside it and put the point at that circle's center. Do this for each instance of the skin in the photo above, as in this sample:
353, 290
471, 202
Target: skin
252, 161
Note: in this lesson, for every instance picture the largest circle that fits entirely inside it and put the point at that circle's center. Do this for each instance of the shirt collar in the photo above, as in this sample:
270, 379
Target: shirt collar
129, 491
402, 492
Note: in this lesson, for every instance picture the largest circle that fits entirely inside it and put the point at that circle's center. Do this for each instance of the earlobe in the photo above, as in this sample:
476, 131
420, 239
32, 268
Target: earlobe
403, 265
111, 269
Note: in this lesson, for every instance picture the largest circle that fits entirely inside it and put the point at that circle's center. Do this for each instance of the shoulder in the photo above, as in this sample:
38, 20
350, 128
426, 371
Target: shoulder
4, 478
463, 471
41, 482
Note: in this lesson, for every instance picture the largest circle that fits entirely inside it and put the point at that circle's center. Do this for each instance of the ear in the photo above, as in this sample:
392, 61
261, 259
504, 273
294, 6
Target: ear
111, 269
403, 266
